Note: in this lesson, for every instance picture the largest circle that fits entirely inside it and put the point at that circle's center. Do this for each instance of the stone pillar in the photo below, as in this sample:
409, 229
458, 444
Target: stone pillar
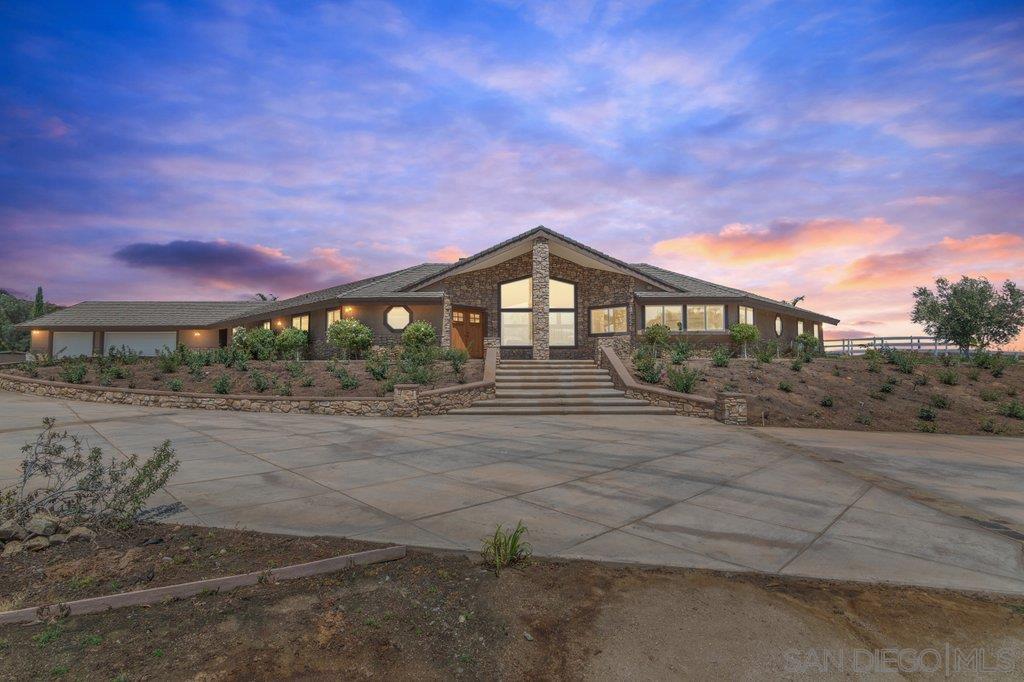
406, 400
731, 408
541, 285
446, 322
492, 342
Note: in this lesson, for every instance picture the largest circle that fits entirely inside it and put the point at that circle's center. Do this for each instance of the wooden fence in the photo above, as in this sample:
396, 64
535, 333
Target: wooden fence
920, 344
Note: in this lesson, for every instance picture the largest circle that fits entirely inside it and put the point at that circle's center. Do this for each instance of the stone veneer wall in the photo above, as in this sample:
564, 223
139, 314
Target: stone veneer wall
594, 288
541, 294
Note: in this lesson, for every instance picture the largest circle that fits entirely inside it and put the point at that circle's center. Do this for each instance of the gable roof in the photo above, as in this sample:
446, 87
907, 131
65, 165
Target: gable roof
151, 314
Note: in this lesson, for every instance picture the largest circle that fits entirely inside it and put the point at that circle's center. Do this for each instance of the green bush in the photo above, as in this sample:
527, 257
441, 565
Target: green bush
307, 381
350, 337
378, 363
744, 334
826, 402
73, 372
720, 356
284, 388
291, 343
457, 358
419, 335
797, 364
506, 547
766, 351
808, 346
785, 387
973, 374
940, 401
921, 380
683, 380
989, 395
950, 377
905, 362
989, 426
948, 360
681, 351
1014, 409
656, 336
259, 343
927, 427
648, 369
124, 355
259, 381
222, 384
168, 361
295, 369
874, 366
887, 388
174, 385
346, 380
926, 414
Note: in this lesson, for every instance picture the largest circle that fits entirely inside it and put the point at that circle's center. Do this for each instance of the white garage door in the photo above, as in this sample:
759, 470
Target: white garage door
146, 343
71, 344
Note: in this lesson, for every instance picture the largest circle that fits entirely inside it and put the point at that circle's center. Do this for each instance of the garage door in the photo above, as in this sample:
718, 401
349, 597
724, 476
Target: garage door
146, 343
71, 344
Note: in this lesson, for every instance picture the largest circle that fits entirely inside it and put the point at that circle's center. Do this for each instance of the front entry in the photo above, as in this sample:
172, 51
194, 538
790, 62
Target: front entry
468, 330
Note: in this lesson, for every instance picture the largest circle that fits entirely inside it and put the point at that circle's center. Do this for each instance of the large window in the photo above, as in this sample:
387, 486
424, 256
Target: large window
705, 318
561, 313
517, 312
301, 322
746, 315
397, 317
333, 316
669, 315
608, 320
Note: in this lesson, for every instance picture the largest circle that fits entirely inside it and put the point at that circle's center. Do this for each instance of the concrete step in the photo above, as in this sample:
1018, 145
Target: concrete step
550, 370
610, 401
558, 393
557, 385
481, 409
566, 361
552, 376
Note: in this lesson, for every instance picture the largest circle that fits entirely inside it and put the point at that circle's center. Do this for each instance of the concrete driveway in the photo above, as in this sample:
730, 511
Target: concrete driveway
647, 489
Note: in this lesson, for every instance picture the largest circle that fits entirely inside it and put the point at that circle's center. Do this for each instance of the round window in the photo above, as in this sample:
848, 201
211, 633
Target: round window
397, 317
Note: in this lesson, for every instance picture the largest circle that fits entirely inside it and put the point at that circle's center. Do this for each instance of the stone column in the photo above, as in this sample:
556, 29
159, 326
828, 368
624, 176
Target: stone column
446, 322
541, 284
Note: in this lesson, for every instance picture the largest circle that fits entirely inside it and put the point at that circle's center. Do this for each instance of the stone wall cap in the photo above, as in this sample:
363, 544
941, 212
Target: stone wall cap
456, 389
406, 387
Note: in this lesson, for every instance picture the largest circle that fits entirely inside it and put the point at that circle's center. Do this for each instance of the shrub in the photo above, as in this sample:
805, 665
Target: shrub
648, 369
988, 426
926, 414
683, 380
808, 346
656, 336
874, 366
950, 377
973, 373
720, 356
826, 402
174, 385
989, 395
863, 418
61, 478
295, 369
73, 372
259, 381
887, 388
457, 358
766, 351
350, 337
378, 363
258, 343
926, 427
940, 401
681, 351
921, 380
796, 365
983, 359
744, 334
785, 387
419, 335
506, 547
112, 373
291, 342
307, 381
905, 362
346, 380
222, 384
168, 361
124, 355
285, 388
1014, 409
949, 360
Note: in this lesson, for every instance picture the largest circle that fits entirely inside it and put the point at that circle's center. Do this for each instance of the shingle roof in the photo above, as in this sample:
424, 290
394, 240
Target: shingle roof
143, 314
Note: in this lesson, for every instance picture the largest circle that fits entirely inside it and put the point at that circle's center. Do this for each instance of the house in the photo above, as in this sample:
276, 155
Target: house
540, 294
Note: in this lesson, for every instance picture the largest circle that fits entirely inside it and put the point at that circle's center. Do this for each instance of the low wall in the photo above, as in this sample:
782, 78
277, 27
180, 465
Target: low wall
729, 408
408, 401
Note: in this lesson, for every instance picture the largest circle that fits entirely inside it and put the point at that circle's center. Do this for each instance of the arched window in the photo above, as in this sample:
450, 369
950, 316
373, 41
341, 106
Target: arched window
778, 325
397, 317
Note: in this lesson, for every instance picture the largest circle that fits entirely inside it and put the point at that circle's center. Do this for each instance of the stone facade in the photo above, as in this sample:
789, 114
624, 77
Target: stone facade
442, 400
446, 322
731, 408
541, 289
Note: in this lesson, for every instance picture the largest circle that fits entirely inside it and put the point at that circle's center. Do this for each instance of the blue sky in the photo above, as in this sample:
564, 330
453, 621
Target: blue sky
846, 152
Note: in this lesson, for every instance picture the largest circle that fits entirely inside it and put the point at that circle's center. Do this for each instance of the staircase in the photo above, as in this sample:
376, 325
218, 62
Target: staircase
557, 387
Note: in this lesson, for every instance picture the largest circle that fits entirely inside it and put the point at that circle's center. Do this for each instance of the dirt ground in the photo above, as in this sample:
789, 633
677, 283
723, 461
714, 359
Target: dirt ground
443, 616
859, 401
146, 374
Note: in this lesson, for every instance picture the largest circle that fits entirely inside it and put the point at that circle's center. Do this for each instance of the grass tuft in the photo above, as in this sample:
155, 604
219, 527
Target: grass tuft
506, 547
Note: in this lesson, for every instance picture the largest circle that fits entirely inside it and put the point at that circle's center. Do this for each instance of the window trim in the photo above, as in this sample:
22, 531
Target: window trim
739, 314
686, 318
340, 313
502, 310
682, 316
800, 327
575, 315
590, 319
388, 326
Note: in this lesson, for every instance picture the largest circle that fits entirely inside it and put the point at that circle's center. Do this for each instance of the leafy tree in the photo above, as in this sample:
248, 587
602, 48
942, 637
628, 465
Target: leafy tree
419, 335
39, 307
970, 312
350, 337
656, 336
258, 343
291, 342
743, 334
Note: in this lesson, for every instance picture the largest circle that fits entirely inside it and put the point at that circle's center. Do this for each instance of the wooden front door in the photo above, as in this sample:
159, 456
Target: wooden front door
468, 330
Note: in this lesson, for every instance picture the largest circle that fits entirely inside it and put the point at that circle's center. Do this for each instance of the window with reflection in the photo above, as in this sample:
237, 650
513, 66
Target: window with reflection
301, 322
705, 318
778, 325
516, 303
746, 314
669, 315
561, 313
608, 320
333, 316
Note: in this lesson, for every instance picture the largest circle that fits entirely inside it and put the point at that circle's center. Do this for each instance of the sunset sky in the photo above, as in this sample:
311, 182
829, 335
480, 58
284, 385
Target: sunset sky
842, 151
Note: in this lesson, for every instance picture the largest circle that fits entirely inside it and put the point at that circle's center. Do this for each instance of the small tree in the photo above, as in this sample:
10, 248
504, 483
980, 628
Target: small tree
656, 336
970, 312
259, 343
350, 337
39, 307
743, 334
419, 335
291, 342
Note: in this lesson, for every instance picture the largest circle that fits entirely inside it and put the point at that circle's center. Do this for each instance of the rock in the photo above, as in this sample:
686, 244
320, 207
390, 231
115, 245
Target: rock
10, 530
37, 543
58, 538
42, 524
129, 557
81, 533
527, 636
152, 541
13, 547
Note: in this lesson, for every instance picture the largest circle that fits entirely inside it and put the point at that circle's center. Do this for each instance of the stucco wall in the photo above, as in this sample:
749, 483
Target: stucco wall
199, 338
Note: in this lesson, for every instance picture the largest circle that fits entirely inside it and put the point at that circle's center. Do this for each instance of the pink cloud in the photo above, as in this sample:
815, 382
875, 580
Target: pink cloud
447, 254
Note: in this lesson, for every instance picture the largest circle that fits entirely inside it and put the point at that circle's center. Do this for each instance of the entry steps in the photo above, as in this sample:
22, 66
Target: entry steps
557, 387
